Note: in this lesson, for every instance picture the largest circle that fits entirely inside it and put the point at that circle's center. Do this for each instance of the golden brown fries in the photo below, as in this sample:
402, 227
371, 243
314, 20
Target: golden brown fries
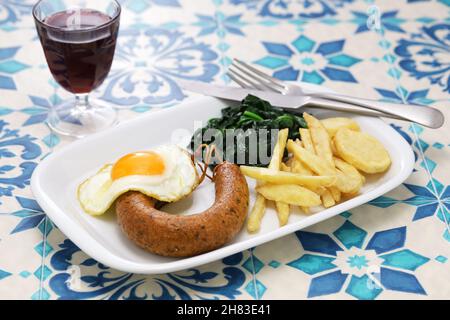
320, 138
282, 177
335, 192
306, 140
290, 194
322, 168
278, 151
310, 160
275, 163
283, 211
284, 167
257, 213
323, 147
296, 166
327, 199
255, 217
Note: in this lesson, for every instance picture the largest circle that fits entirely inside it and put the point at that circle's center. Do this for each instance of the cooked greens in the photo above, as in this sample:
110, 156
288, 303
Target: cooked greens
250, 126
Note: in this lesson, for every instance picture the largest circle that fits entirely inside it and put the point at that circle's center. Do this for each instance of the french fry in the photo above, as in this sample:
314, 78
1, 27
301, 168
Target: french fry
290, 194
317, 165
281, 177
319, 190
314, 162
275, 164
296, 166
256, 215
335, 193
306, 140
283, 212
332, 125
320, 138
327, 199
323, 147
284, 167
278, 151
333, 148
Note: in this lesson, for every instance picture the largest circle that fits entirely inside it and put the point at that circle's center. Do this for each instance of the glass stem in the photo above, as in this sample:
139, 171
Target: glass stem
83, 102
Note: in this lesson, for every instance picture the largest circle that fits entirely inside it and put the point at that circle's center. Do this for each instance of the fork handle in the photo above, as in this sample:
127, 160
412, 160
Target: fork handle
426, 116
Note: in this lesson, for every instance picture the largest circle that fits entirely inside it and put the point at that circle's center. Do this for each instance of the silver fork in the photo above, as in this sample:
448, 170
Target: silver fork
250, 77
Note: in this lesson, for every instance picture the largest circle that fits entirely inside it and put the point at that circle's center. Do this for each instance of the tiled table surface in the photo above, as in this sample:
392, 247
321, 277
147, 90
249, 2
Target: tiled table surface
401, 240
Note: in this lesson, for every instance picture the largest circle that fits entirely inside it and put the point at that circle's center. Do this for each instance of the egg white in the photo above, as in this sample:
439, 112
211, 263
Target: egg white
178, 180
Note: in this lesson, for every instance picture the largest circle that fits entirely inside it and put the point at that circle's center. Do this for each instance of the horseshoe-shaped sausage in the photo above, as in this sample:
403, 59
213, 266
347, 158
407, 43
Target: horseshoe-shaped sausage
187, 235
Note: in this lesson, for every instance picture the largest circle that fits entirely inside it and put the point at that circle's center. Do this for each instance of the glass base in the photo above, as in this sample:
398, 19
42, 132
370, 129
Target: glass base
81, 116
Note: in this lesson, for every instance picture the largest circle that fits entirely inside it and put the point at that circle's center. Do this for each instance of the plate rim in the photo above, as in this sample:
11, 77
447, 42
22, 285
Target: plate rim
75, 232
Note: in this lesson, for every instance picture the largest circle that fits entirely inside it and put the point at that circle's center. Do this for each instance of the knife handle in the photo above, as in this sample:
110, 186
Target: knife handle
425, 116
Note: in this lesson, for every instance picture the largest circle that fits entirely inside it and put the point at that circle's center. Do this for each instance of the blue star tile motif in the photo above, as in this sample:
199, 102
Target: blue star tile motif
357, 261
312, 264
306, 60
40, 109
219, 24
326, 284
401, 95
358, 288
400, 281
350, 235
318, 242
383, 202
385, 248
429, 201
387, 240
31, 215
388, 20
8, 67
4, 274
404, 259
38, 112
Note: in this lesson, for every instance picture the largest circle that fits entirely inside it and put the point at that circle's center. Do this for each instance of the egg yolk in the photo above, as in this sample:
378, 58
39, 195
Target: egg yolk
139, 163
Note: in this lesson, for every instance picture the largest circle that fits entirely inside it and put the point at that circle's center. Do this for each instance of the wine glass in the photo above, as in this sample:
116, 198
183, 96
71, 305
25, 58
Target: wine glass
79, 41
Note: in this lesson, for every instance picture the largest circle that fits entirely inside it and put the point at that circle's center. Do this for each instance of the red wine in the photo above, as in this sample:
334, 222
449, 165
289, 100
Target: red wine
79, 48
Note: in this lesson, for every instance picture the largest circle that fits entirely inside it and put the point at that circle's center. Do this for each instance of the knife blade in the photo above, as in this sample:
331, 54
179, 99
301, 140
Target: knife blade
292, 102
238, 94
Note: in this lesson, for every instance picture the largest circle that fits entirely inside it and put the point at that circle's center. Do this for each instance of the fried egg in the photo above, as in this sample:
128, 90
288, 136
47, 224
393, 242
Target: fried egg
166, 173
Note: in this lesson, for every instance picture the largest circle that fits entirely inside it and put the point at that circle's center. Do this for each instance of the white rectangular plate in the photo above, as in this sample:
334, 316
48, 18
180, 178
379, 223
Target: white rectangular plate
56, 179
